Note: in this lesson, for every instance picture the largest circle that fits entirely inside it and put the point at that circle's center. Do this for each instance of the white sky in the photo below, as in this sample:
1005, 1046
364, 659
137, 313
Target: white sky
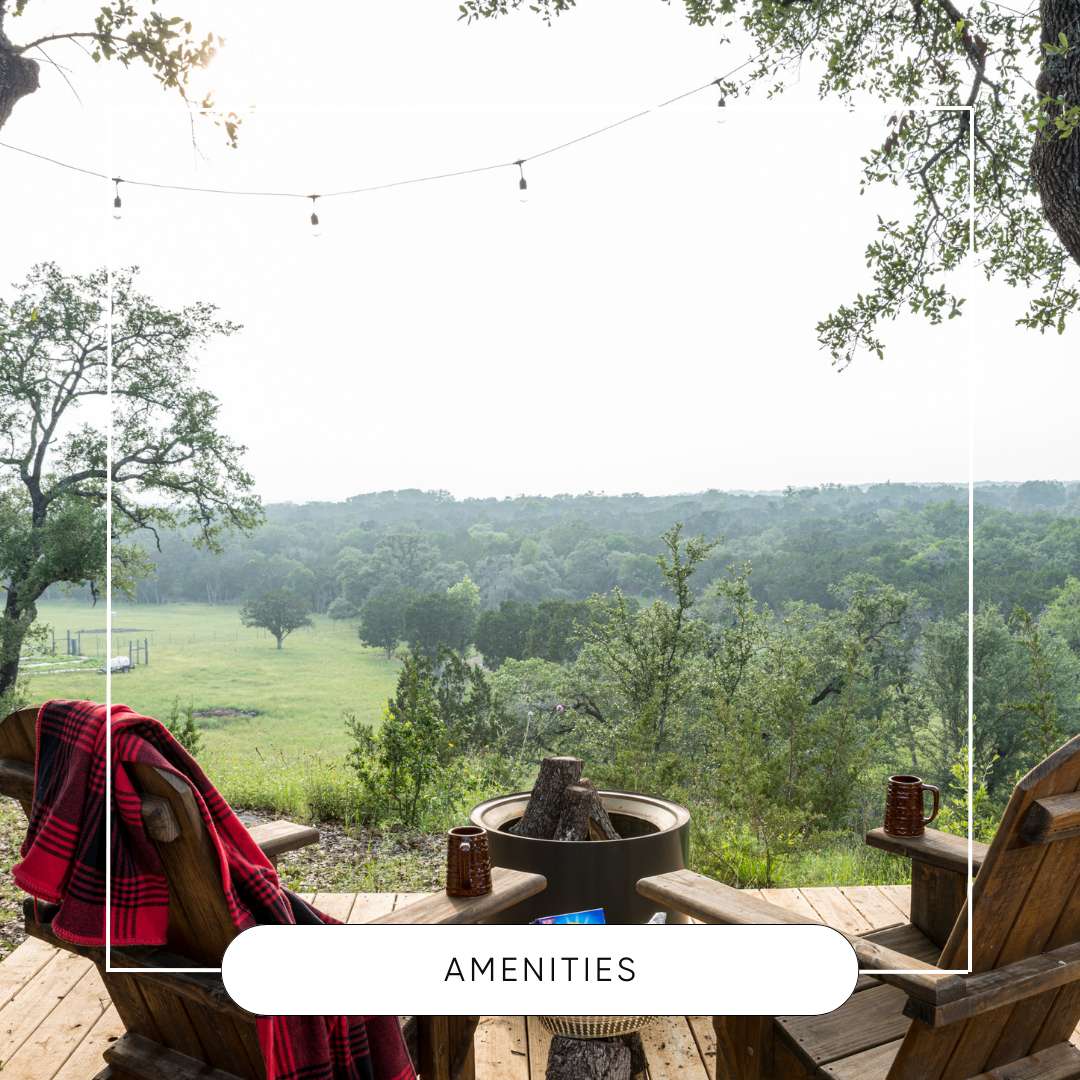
645, 322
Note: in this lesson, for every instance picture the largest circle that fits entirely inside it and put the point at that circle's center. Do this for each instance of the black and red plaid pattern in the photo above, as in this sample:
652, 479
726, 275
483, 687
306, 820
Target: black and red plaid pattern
64, 863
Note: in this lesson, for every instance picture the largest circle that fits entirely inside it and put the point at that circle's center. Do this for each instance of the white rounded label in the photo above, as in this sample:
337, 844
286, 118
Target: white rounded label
518, 970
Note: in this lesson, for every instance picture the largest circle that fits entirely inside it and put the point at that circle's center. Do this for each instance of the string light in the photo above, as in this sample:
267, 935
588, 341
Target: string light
522, 184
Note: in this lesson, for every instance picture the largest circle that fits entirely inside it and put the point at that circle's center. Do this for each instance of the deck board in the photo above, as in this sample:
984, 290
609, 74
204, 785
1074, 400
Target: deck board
57, 1037
701, 1027
85, 1060
873, 905
671, 1050
500, 1051
31, 1007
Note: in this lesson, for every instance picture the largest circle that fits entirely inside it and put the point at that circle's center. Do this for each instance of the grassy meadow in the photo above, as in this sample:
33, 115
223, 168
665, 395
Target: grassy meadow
287, 759
204, 655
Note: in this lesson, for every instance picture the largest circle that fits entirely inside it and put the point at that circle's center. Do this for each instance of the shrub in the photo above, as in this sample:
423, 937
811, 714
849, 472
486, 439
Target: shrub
186, 734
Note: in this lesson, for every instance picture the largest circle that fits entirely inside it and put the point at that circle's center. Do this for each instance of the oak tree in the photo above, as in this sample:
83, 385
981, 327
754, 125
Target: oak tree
1002, 83
170, 468
125, 32
279, 611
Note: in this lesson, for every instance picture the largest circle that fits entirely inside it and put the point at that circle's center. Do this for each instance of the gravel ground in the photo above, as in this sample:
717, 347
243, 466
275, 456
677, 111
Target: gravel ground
346, 860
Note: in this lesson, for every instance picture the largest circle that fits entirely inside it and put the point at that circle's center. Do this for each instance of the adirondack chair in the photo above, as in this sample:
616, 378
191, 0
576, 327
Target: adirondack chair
179, 1023
1011, 1017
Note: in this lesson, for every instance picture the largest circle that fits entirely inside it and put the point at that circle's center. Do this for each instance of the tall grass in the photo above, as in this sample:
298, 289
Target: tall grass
730, 851
317, 785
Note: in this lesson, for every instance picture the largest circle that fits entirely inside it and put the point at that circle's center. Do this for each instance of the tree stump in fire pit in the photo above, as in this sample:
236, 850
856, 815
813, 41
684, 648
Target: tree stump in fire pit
565, 805
574, 819
546, 804
600, 827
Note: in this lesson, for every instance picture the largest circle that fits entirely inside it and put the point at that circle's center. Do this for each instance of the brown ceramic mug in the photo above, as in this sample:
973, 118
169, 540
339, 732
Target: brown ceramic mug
468, 872
904, 806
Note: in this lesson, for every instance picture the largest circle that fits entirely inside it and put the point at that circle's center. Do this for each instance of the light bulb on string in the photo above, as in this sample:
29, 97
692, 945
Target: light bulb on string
314, 216
116, 202
523, 187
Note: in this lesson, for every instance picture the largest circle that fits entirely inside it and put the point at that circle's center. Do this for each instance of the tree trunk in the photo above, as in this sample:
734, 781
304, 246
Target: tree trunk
546, 804
18, 77
1055, 163
279, 637
13, 627
574, 819
600, 827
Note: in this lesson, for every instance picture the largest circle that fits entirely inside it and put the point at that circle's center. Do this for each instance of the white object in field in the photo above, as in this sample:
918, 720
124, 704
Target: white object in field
120, 663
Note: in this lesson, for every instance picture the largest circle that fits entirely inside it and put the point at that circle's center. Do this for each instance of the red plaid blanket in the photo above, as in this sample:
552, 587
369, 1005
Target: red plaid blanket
64, 862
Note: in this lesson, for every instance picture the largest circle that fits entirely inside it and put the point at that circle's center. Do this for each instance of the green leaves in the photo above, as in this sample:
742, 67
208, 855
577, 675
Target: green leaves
171, 468
162, 42
1062, 48
975, 63
280, 611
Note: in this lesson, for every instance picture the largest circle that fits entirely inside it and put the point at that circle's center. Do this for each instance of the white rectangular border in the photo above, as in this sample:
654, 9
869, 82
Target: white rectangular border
972, 279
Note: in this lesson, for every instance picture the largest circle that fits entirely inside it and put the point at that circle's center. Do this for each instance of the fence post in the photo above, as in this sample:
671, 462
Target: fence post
146, 651
129, 652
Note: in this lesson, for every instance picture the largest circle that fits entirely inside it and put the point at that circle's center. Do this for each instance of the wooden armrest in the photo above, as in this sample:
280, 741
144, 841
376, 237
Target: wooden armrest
1054, 818
16, 780
1002, 986
937, 848
508, 887
712, 902
277, 837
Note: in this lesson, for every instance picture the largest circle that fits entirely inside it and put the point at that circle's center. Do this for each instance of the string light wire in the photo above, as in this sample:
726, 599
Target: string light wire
394, 183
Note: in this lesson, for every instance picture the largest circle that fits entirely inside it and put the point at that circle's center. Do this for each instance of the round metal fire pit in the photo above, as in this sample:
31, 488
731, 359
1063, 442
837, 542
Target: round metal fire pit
594, 873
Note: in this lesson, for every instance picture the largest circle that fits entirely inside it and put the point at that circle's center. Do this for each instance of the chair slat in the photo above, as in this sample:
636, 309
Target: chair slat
924, 1052
1015, 1039
200, 925
1060, 1020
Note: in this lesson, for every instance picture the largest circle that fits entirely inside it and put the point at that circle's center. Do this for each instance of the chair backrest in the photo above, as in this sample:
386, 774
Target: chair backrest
200, 927
1025, 901
199, 930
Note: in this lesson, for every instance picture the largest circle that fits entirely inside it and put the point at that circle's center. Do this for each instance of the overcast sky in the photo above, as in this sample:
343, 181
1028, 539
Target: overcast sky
644, 322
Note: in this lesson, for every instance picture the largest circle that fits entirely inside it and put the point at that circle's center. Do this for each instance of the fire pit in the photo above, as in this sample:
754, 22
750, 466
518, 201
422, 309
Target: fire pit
599, 873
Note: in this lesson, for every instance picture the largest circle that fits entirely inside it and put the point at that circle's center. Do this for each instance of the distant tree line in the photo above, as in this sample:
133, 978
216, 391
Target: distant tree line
406, 544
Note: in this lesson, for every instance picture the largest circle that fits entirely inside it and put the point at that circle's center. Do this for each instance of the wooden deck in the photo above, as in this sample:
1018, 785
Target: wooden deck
56, 1019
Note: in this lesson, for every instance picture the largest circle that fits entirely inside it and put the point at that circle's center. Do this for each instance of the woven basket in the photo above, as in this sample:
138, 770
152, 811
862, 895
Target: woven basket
594, 1027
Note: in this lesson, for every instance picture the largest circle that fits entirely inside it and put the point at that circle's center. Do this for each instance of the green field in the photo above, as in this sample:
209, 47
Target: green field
205, 656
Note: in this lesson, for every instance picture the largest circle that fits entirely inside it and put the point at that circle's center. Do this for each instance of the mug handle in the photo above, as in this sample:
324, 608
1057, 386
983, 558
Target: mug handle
930, 787
465, 865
